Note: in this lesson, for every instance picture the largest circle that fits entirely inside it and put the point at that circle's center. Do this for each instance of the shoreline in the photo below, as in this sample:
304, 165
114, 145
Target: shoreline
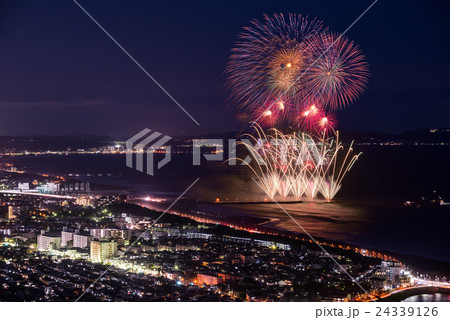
417, 263
268, 226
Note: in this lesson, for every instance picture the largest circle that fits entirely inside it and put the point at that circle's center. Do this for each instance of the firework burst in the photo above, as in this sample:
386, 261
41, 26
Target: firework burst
309, 117
337, 73
269, 59
326, 124
291, 70
294, 61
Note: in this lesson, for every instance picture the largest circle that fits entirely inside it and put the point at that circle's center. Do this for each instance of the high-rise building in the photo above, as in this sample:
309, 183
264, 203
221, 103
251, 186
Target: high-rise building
13, 212
106, 234
208, 279
81, 240
85, 201
393, 270
102, 250
65, 238
48, 241
24, 186
49, 187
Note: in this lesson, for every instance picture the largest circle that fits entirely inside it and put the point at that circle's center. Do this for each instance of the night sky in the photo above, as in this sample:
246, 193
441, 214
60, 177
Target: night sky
60, 74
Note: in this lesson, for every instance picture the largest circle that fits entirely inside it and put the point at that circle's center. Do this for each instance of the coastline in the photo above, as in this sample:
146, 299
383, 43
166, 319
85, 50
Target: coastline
262, 228
271, 225
417, 263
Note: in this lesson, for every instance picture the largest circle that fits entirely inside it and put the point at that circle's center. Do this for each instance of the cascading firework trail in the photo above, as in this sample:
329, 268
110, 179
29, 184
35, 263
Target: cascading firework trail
298, 164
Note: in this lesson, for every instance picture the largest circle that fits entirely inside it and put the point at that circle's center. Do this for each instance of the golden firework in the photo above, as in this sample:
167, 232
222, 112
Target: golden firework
284, 69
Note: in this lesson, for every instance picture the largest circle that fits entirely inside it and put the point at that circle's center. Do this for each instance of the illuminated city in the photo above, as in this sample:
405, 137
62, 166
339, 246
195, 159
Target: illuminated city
203, 153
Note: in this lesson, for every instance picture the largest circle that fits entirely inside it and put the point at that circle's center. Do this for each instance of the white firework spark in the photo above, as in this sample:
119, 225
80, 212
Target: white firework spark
298, 164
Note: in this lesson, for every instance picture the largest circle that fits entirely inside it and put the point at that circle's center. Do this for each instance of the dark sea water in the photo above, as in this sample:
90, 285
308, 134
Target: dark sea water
368, 211
436, 297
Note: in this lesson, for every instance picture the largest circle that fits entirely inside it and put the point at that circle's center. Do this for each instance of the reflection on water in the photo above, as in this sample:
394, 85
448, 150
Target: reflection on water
319, 219
367, 223
436, 297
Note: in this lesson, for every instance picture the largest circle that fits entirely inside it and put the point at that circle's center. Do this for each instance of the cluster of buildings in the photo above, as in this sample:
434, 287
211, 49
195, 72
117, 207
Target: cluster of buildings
51, 248
51, 187
197, 261
390, 275
100, 249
